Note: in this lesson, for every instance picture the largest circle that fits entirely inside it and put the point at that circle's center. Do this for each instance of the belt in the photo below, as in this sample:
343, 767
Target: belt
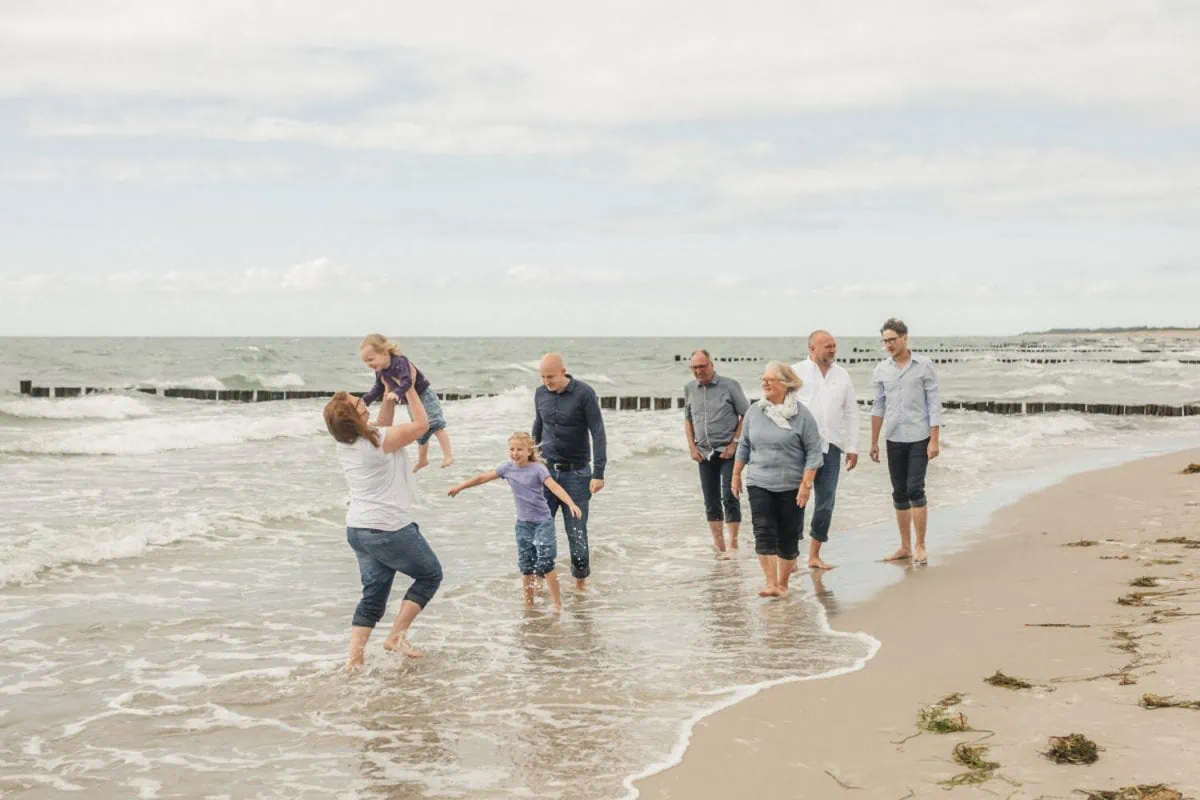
566, 466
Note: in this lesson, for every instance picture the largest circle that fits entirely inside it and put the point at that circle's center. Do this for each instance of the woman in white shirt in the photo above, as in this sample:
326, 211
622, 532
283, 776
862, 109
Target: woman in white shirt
379, 526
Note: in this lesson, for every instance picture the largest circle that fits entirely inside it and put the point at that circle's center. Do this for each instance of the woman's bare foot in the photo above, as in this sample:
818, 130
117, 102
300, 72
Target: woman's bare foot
769, 591
921, 557
817, 563
399, 643
421, 464
447, 461
899, 555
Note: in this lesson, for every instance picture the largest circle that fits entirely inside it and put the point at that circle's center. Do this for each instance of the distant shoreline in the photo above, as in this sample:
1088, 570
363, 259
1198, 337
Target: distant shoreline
1078, 331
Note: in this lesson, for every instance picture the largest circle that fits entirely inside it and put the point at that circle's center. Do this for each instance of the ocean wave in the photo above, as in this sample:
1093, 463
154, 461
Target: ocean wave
196, 382
102, 544
287, 380
143, 437
597, 379
97, 406
1041, 390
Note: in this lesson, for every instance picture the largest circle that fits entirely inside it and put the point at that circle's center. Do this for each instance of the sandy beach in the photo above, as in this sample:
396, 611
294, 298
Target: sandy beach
1038, 600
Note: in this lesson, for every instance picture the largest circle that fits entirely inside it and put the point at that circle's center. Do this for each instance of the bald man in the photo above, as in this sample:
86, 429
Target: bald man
566, 413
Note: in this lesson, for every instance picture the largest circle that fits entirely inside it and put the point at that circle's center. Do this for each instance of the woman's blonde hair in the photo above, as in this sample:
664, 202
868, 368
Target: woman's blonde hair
786, 374
380, 344
344, 422
527, 440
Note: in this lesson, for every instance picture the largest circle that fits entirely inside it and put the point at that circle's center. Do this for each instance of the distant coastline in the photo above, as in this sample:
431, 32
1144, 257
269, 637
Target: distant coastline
1168, 331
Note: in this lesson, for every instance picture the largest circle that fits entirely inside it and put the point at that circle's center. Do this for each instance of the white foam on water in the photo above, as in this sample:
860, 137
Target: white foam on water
196, 382
596, 379
1041, 390
102, 544
288, 380
96, 406
130, 438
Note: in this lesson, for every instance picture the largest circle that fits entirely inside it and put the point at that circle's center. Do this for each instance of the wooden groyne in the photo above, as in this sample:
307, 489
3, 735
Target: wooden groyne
623, 402
938, 360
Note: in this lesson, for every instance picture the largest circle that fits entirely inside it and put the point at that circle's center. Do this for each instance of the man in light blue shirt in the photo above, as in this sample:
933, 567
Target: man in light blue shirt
908, 410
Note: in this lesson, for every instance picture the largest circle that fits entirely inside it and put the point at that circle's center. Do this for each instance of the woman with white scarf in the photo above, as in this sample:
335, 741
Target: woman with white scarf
780, 452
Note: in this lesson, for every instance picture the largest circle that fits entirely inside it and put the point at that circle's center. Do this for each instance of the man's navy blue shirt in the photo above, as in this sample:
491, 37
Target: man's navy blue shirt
562, 422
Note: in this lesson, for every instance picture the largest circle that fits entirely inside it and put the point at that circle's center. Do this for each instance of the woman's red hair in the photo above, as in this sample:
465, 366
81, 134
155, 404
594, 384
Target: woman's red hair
345, 423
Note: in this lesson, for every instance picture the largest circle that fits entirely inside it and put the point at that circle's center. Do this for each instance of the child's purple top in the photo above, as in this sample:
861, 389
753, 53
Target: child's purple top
527, 484
400, 375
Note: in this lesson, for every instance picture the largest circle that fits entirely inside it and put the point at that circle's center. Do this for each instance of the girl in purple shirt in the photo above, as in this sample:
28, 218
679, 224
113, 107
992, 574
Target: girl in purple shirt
536, 546
395, 373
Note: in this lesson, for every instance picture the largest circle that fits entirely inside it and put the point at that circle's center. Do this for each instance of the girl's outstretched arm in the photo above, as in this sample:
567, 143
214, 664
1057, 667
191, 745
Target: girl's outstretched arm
561, 493
478, 480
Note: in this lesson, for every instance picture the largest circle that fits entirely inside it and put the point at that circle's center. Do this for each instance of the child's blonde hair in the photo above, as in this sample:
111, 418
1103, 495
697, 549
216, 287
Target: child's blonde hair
527, 440
380, 344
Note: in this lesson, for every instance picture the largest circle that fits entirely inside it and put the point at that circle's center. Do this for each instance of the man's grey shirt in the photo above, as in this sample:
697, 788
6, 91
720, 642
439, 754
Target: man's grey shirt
714, 410
907, 399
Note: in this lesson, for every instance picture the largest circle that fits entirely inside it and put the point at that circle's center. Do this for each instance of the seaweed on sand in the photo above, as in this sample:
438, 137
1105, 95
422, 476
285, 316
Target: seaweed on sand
1145, 582
1158, 791
939, 719
1190, 469
971, 757
1178, 540
1007, 681
1073, 749
1082, 543
1158, 701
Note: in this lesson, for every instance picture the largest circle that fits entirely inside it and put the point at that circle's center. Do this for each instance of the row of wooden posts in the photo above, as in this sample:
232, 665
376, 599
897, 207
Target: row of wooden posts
1027, 360
630, 402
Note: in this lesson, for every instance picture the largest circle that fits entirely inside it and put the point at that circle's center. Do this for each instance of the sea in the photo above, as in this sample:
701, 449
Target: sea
176, 589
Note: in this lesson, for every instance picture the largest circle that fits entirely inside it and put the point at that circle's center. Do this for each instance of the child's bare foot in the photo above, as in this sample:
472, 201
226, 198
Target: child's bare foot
723, 555
447, 461
769, 591
421, 464
399, 643
817, 563
900, 555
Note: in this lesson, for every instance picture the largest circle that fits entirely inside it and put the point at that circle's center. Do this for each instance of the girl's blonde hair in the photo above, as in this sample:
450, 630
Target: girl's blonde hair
380, 344
786, 374
527, 440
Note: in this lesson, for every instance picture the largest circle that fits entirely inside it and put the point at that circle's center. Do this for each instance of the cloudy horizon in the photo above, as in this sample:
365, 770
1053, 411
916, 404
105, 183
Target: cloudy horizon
633, 168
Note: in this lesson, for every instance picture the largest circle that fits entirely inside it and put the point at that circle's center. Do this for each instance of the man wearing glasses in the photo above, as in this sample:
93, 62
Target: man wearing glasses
909, 412
712, 411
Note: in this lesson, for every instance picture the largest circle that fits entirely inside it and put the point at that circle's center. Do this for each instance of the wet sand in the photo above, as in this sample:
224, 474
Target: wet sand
951, 624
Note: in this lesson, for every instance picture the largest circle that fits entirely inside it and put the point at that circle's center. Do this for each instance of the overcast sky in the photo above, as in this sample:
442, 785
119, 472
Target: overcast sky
603, 168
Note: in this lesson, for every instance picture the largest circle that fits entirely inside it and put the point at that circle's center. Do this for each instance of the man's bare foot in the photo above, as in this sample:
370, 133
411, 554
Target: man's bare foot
816, 563
581, 584
899, 555
447, 461
354, 666
421, 464
769, 591
795, 566
733, 543
783, 590
399, 643
921, 556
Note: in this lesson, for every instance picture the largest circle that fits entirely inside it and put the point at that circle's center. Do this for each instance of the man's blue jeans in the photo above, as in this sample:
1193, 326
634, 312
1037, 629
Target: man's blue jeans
577, 483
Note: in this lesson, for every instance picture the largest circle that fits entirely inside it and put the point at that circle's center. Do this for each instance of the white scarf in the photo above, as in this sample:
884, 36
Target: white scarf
781, 413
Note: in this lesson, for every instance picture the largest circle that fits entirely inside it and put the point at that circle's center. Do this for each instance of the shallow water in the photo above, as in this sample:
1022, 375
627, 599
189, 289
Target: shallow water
175, 588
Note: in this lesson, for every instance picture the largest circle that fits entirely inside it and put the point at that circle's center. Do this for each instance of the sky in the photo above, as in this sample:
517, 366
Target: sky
631, 167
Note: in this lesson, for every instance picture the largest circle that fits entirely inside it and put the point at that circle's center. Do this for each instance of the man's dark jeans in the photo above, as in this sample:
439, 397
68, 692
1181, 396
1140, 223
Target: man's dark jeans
720, 503
577, 483
825, 492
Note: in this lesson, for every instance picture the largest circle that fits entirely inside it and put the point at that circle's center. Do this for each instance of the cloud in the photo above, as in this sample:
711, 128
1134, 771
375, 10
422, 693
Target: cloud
144, 171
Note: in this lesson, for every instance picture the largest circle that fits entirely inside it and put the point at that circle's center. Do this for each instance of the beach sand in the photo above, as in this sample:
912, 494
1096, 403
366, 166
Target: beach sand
948, 626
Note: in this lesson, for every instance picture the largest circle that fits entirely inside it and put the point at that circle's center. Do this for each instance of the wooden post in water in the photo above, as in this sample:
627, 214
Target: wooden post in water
26, 387
67, 391
662, 404
608, 402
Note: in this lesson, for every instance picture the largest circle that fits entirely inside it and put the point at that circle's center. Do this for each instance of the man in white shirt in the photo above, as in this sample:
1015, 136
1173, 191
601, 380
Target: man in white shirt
828, 393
